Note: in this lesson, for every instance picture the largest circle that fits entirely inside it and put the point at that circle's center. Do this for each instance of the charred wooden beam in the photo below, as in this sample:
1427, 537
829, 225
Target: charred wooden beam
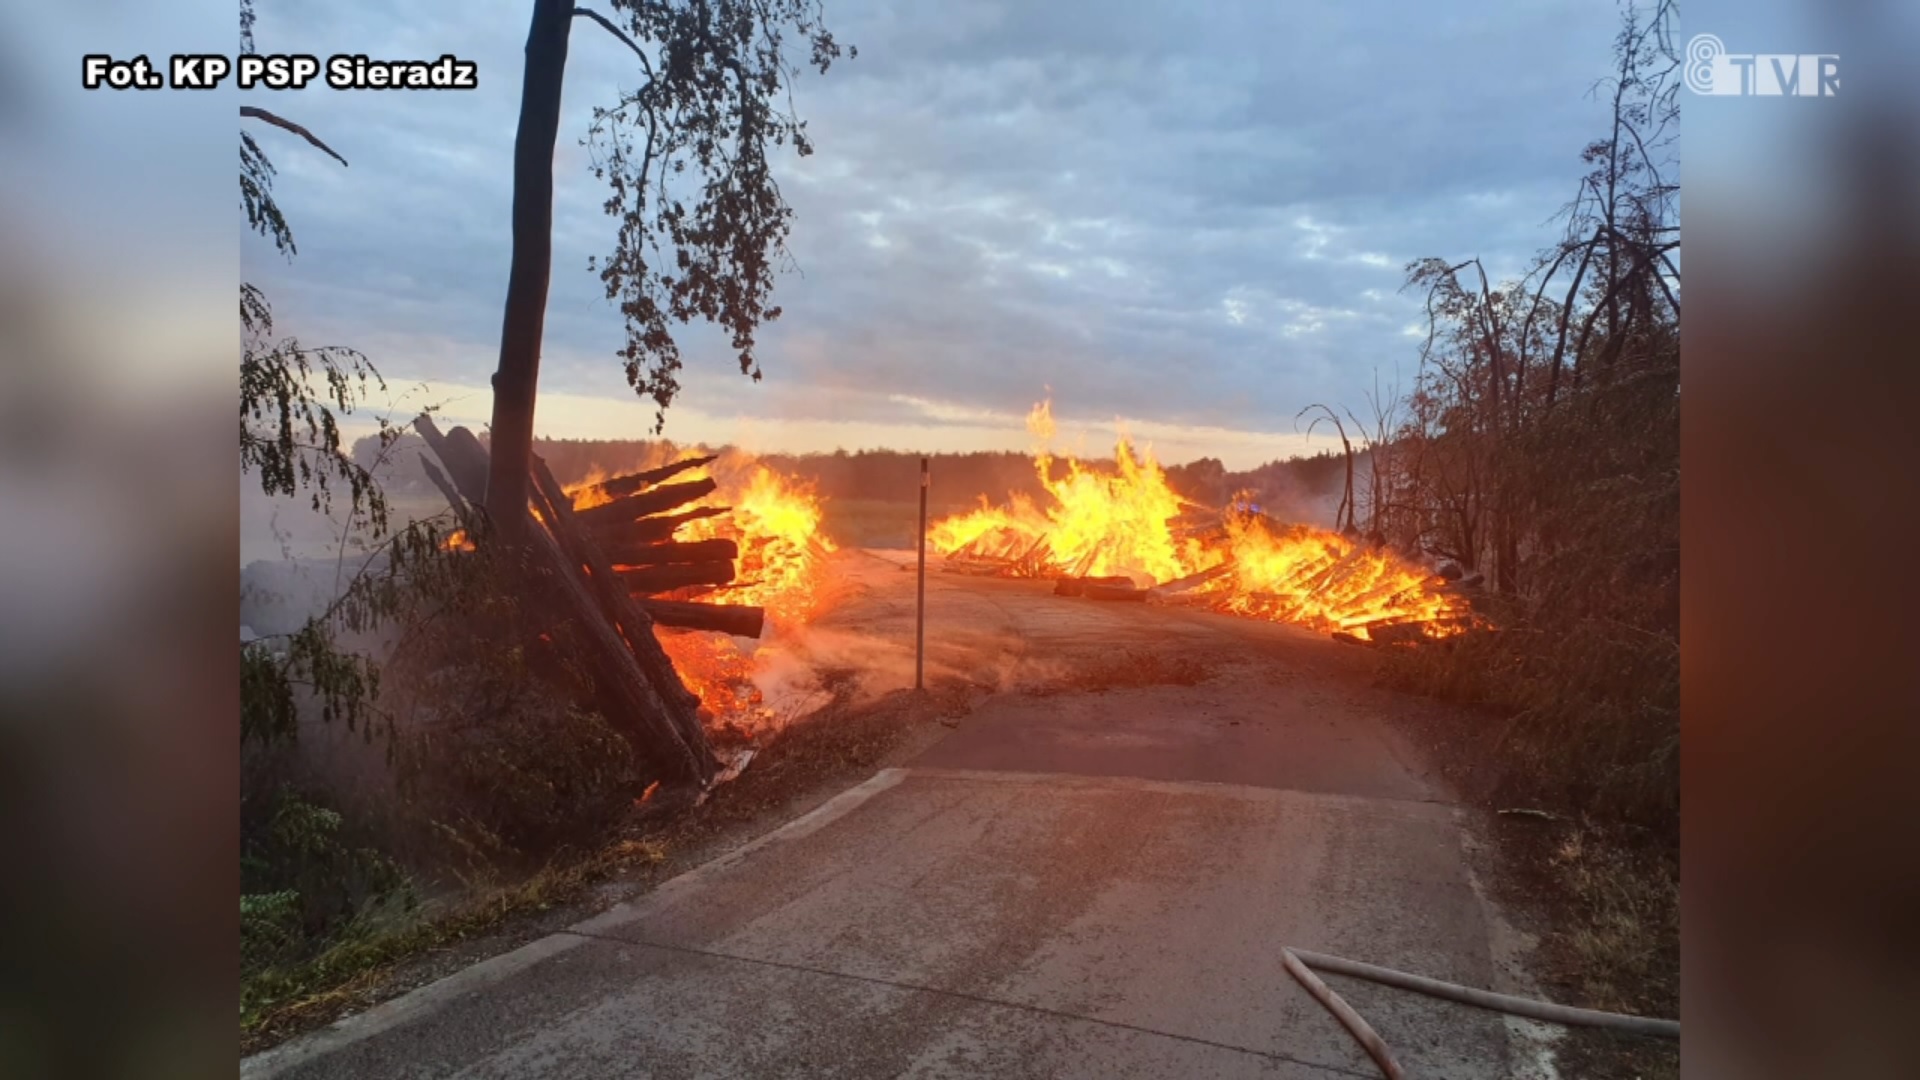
460, 465
696, 551
648, 580
633, 622
614, 535
1405, 633
439, 480
740, 620
552, 580
1194, 581
1122, 593
622, 486
660, 499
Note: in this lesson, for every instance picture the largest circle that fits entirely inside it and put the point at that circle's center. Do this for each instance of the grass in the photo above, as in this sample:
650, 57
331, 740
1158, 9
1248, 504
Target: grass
366, 964
1581, 728
1587, 715
1616, 947
349, 974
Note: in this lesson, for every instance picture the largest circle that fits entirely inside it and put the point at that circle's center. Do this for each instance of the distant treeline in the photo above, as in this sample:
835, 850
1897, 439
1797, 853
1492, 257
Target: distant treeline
1299, 489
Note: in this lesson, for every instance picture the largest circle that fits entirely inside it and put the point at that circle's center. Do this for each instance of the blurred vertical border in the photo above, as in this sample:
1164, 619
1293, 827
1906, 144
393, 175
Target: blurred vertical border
1801, 507
118, 551
118, 548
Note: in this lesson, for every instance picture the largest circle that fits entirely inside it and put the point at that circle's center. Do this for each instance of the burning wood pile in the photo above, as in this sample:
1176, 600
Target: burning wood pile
1124, 534
634, 519
710, 584
600, 573
769, 586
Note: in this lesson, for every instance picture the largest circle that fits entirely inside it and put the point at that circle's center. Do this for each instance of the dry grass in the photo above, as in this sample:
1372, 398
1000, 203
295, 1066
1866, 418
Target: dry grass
357, 971
1616, 946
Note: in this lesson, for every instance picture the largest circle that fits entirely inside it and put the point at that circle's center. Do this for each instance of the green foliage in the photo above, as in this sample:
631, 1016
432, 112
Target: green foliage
410, 578
701, 218
303, 878
256, 197
290, 398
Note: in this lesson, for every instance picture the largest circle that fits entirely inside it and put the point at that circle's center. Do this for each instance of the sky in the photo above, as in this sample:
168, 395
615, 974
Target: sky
1197, 223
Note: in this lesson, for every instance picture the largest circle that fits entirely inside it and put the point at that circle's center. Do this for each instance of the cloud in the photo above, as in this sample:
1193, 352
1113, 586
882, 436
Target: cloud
1196, 220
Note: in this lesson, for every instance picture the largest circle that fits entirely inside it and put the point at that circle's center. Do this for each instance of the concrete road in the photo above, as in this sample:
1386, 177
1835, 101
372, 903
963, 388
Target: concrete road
1079, 882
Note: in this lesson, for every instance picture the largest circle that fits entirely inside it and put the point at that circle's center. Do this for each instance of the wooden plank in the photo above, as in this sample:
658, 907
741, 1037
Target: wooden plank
697, 551
553, 581
740, 620
648, 580
622, 486
663, 498
615, 535
681, 705
1194, 581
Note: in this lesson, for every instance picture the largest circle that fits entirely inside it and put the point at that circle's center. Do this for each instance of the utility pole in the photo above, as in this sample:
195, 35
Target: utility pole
920, 610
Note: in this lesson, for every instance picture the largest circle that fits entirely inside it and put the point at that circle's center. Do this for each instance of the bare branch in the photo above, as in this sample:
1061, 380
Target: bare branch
288, 125
589, 13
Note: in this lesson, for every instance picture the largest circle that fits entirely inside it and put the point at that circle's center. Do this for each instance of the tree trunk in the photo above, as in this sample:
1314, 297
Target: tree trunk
517, 379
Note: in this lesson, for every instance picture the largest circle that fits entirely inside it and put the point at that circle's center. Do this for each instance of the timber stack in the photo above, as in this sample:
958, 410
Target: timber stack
610, 574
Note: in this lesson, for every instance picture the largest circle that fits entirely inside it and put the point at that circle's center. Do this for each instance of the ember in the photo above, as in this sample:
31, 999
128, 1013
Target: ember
1128, 522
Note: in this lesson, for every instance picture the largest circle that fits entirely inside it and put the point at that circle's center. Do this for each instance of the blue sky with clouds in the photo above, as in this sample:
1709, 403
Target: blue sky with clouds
1195, 221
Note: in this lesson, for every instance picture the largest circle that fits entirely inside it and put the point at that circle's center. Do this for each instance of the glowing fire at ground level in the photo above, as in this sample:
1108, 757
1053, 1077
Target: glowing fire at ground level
1128, 522
774, 521
1122, 521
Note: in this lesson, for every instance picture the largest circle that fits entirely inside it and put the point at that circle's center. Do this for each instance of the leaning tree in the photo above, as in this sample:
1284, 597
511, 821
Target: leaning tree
701, 220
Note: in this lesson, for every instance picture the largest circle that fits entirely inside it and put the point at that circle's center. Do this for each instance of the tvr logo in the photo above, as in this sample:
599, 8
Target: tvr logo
1711, 69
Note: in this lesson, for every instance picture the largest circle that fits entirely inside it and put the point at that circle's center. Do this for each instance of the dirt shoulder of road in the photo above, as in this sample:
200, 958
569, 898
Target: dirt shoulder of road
1600, 900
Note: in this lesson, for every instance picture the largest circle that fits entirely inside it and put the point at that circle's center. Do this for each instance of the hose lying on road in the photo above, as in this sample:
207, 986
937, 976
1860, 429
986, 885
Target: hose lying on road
1363, 1031
1298, 962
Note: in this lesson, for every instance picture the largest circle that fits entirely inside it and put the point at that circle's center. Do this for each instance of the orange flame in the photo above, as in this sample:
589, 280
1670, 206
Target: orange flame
775, 522
586, 493
1120, 521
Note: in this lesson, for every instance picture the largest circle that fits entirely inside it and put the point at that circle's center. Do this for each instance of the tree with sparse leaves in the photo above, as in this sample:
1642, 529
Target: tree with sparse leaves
702, 221
1541, 444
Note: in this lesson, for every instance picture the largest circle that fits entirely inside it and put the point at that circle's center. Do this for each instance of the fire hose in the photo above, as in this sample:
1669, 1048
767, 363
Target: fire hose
1299, 963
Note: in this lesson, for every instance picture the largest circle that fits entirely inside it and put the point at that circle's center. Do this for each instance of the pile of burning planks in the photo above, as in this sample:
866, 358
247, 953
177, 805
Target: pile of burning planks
633, 519
601, 573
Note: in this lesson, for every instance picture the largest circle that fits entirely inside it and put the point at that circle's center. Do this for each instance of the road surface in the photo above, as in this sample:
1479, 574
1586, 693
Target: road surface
1077, 882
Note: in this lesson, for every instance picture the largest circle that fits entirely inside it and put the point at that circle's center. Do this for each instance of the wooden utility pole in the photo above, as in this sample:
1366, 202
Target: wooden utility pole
517, 378
920, 609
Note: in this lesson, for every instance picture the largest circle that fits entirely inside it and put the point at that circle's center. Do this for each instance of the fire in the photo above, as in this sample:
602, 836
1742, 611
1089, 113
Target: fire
1121, 521
1097, 524
457, 540
721, 673
775, 522
586, 494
